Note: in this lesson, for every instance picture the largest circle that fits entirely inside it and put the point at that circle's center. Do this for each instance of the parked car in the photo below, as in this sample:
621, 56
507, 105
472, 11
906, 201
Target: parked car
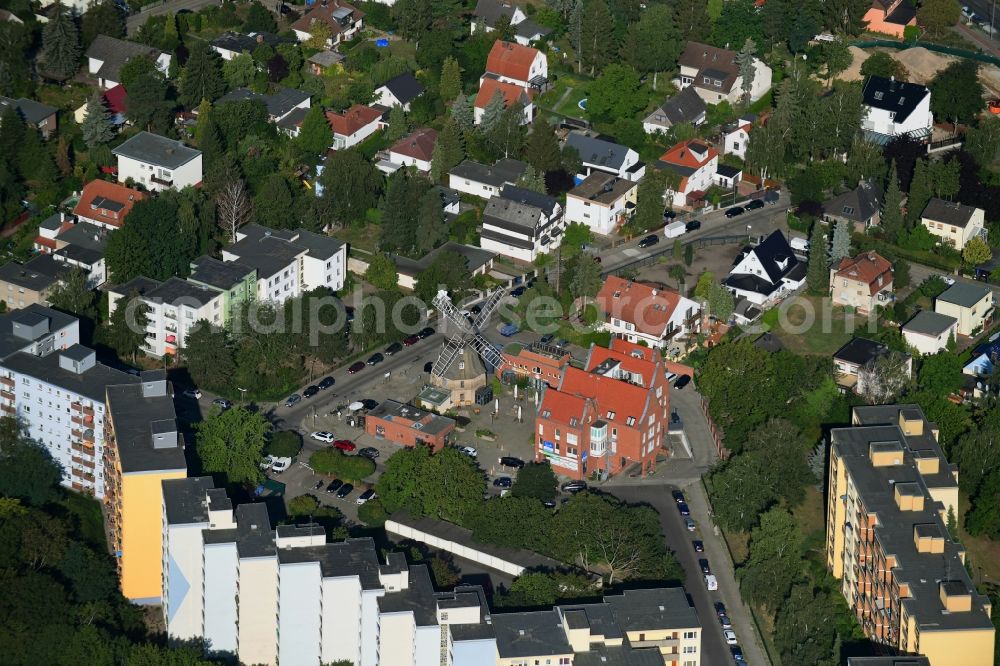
325, 383
738, 657
502, 482
724, 621
267, 462
410, 341
222, 403
649, 241
711, 582
756, 204
948, 280
683, 508
692, 225
682, 381
669, 215
367, 495
310, 391
192, 393
319, 484
730, 636
574, 486
394, 348
369, 452
720, 608
678, 496
292, 399
334, 486
368, 403
345, 490
469, 451
703, 564
690, 525
323, 436
735, 211
509, 329
511, 461
699, 547
356, 367
280, 465
425, 333
375, 359
428, 366
547, 338
518, 292
345, 445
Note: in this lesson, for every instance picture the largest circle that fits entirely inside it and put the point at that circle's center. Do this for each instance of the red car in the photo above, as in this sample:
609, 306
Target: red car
410, 341
345, 445
356, 367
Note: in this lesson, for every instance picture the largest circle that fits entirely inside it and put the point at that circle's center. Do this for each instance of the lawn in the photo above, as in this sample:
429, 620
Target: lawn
830, 328
570, 105
361, 237
984, 553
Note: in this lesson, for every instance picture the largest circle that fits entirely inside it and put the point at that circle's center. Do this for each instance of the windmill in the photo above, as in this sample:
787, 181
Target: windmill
468, 334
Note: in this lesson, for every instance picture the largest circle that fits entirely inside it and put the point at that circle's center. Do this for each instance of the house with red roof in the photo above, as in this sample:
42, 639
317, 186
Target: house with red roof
489, 87
106, 204
341, 21
521, 65
693, 165
863, 282
640, 312
890, 17
542, 364
415, 150
353, 125
607, 417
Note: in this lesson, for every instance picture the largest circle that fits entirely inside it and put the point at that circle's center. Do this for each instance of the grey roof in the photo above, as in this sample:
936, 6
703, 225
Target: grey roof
354, 557
37, 274
964, 294
418, 598
684, 107
598, 151
858, 205
537, 199
949, 212
86, 243
602, 187
725, 170
491, 10
294, 119
173, 291
91, 383
859, 351
184, 499
504, 171
769, 342
155, 149
391, 409
622, 655
52, 222
525, 218
534, 634
465, 596
114, 53
272, 250
30, 315
254, 535
650, 609
232, 41
475, 258
279, 103
31, 112
404, 87
219, 274
530, 30
326, 58
133, 414
929, 322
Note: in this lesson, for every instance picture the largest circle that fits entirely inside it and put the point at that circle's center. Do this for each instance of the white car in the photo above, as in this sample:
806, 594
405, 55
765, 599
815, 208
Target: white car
730, 636
267, 462
323, 436
192, 393
469, 451
948, 280
281, 464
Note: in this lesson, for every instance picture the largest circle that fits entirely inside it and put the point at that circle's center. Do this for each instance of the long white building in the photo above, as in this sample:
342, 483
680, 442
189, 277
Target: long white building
286, 596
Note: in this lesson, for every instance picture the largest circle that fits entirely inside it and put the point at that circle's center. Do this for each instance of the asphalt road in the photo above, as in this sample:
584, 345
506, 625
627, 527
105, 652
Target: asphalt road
135, 21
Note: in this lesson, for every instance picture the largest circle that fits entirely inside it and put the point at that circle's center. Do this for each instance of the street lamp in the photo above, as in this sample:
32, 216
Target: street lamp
243, 394
748, 232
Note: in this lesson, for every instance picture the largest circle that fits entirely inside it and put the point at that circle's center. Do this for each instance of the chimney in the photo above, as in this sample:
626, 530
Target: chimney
260, 38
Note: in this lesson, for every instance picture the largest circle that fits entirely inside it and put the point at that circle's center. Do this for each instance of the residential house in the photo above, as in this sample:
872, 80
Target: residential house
642, 313
321, 61
77, 244
488, 12
341, 20
236, 281
30, 283
521, 228
929, 332
860, 207
541, 364
106, 204
608, 417
477, 262
115, 100
231, 44
728, 177
289, 262
970, 304
414, 150
485, 181
766, 273
900, 570
895, 108
685, 107
408, 426
736, 136
852, 363
41, 117
353, 125
174, 307
107, 55
490, 87
890, 17
602, 201
520, 65
280, 104
399, 91
693, 165
158, 163
600, 154
863, 282
954, 223
715, 75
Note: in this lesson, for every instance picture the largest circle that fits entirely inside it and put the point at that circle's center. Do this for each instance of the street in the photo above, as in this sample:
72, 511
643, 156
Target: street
137, 20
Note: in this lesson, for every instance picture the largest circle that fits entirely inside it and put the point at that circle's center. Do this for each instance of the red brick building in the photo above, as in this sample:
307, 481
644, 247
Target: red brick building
608, 417
541, 363
408, 425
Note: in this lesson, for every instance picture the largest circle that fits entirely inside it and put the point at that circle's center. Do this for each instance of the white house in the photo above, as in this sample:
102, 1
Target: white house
715, 74
522, 224
520, 65
280, 104
954, 223
158, 163
484, 181
766, 273
598, 154
684, 107
736, 136
107, 55
603, 202
342, 21
895, 108
399, 91
415, 150
640, 312
231, 44
928, 332
694, 165
489, 87
353, 126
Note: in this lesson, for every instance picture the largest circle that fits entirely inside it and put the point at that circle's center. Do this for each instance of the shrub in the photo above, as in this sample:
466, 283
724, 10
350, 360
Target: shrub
372, 513
348, 468
284, 444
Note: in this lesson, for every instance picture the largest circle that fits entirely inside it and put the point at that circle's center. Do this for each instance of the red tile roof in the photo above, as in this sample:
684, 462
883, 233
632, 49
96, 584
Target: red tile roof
324, 13
632, 358
511, 60
867, 267
616, 400
116, 99
96, 193
562, 407
690, 153
419, 144
511, 93
643, 305
349, 122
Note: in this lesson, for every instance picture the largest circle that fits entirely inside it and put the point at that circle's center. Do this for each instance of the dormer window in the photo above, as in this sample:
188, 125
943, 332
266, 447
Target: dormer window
879, 95
611, 416
848, 210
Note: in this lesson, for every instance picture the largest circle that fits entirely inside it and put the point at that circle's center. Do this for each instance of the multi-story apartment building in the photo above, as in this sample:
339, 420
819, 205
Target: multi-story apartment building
236, 281
286, 596
890, 494
143, 447
610, 415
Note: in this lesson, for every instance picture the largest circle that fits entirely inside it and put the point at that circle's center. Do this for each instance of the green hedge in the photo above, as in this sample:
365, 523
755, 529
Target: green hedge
349, 468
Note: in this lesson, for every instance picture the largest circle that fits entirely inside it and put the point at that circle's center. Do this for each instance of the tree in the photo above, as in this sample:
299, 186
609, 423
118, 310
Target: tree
102, 18
806, 629
451, 80
976, 251
940, 374
575, 237
319, 35
381, 272
27, 471
209, 357
536, 479
315, 135
688, 254
462, 113
891, 219
532, 180
351, 183
838, 58
945, 178
61, 45
414, 18
920, 191
259, 19
272, 203
774, 564
938, 15
880, 63
506, 137
398, 125
234, 207
615, 94
691, 17
983, 142
492, 112
96, 128
818, 271
541, 149
448, 151
864, 162
956, 93
596, 35
446, 484
72, 294
841, 244
882, 379
586, 279
126, 331
231, 442
352, 469
745, 59
738, 21
398, 224
649, 200
277, 68
450, 271
736, 379
239, 72
653, 41
202, 77
148, 106
431, 228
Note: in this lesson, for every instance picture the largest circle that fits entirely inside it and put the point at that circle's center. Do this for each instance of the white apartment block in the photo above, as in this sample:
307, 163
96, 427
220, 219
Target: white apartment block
158, 163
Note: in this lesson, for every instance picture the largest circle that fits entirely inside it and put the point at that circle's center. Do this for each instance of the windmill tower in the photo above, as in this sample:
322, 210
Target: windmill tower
467, 338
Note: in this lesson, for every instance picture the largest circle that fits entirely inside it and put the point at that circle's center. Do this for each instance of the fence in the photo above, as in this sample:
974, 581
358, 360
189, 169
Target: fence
947, 50
720, 448
667, 248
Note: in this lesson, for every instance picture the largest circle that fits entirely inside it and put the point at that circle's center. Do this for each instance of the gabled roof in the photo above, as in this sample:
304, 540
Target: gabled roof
617, 401
419, 144
279, 103
900, 97
859, 351
114, 53
404, 87
31, 112
692, 154
523, 195
643, 305
154, 149
116, 99
37, 274
964, 294
597, 150
927, 322
684, 107
867, 267
329, 12
491, 10
504, 171
948, 212
718, 64
233, 41
602, 187
530, 30
512, 60
776, 256
352, 120
116, 199
857, 205
511, 93
525, 217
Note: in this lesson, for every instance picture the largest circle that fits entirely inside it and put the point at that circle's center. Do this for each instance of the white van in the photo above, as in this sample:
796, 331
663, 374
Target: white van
279, 465
711, 583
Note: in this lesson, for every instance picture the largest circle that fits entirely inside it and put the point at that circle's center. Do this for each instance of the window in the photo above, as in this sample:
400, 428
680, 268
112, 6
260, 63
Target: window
611, 416
690, 634
630, 421
690, 649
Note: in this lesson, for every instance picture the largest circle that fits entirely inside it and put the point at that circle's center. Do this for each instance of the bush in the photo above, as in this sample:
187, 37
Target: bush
348, 468
284, 444
372, 513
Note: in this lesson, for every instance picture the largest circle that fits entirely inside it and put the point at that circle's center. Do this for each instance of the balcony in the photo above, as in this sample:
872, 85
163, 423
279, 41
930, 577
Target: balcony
80, 447
7, 409
661, 643
7, 395
162, 182
7, 381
